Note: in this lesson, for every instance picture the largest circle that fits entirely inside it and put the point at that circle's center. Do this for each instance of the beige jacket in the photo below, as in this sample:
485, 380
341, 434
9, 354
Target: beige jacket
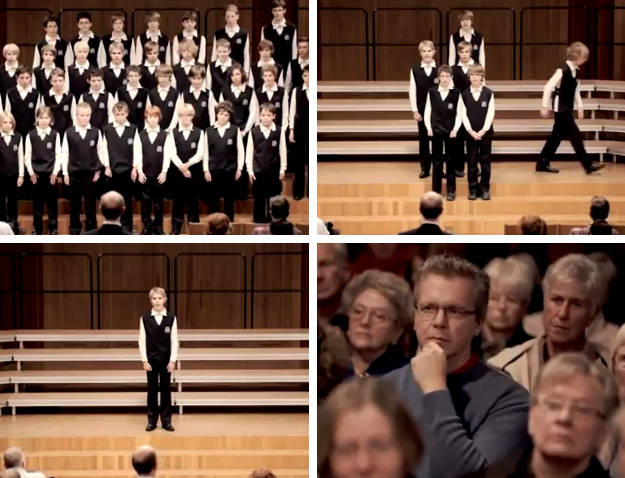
524, 361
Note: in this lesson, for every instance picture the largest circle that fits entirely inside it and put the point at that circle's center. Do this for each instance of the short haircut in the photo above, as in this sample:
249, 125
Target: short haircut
81, 45
477, 70
152, 17
83, 15
23, 70
577, 51
57, 72
532, 226
189, 15
116, 46
224, 107
146, 463
187, 44
164, 70
451, 266
95, 73
159, 291
151, 46
6, 115
305, 69
278, 4
430, 206
44, 110
197, 71
118, 16
262, 473
112, 205
464, 44
302, 40
121, 106
270, 68
279, 207
223, 43
185, 108
13, 457
599, 208
219, 225
465, 15
49, 19
11, 48
133, 69
268, 107
266, 45
153, 111
514, 275
83, 106
231, 8
239, 67
600, 228
445, 69
565, 366
49, 49
427, 44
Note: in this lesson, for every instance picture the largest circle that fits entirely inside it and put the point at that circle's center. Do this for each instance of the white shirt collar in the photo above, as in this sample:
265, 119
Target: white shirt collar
125, 125
80, 128
191, 34
430, 221
89, 34
121, 66
158, 62
226, 126
52, 93
462, 33
84, 67
123, 36
12, 64
46, 131
164, 312
240, 88
235, 29
91, 92
185, 63
442, 88
153, 130
46, 68
277, 25
572, 65
28, 89
150, 35
52, 39
471, 62
182, 129
431, 65
303, 61
473, 89
133, 88
227, 63
270, 62
273, 89
199, 90
271, 128
304, 87
164, 90
4, 135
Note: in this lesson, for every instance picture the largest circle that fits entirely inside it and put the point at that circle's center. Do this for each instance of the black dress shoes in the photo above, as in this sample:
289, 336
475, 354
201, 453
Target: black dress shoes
485, 196
472, 195
451, 196
168, 427
150, 427
424, 174
594, 167
545, 167
460, 174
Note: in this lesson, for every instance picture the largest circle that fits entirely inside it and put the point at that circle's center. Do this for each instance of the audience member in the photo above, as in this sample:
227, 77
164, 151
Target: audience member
380, 310
5, 229
333, 360
219, 224
322, 229
112, 208
618, 362
431, 208
144, 461
279, 209
364, 430
470, 414
572, 297
15, 460
511, 286
599, 212
262, 474
395, 258
532, 226
617, 469
332, 276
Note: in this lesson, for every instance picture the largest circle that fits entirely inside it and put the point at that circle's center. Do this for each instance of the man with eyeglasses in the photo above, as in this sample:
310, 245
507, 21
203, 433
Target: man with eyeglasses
573, 291
470, 414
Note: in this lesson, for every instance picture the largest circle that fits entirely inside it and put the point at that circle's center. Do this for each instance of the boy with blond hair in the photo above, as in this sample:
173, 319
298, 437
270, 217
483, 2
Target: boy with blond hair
61, 102
165, 97
115, 71
77, 77
239, 38
149, 66
8, 78
188, 51
467, 34
43, 72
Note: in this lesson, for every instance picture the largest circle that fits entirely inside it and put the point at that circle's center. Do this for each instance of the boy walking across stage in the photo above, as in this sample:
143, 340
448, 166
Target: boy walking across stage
562, 95
158, 345
477, 109
442, 120
469, 35
422, 78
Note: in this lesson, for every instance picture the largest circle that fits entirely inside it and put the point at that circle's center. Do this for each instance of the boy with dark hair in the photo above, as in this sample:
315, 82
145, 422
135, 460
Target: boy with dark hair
135, 96
149, 66
166, 98
296, 67
64, 55
100, 100
86, 34
60, 102
23, 101
153, 34
189, 23
218, 72
298, 122
200, 98
281, 33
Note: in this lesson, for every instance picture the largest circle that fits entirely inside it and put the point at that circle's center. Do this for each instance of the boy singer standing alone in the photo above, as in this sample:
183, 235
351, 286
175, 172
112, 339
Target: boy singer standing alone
158, 344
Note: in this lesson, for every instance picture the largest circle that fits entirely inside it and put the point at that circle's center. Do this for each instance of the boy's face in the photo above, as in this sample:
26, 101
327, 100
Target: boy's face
158, 301
223, 117
476, 80
154, 25
266, 118
581, 60
231, 18
305, 77
164, 81
427, 54
84, 25
44, 121
197, 82
10, 56
121, 116
24, 80
189, 24
302, 49
83, 116
58, 83
186, 55
269, 78
186, 119
152, 121
278, 13
236, 77
134, 78
82, 54
117, 56
445, 79
52, 29
152, 56
465, 55
96, 83
223, 53
48, 57
118, 26
7, 125
265, 55
466, 24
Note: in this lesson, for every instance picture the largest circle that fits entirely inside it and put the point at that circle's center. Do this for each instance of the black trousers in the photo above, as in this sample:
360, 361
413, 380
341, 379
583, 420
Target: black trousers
265, 187
48, 194
300, 160
222, 185
462, 140
82, 186
152, 194
242, 189
122, 183
8, 200
424, 144
564, 127
159, 373
480, 152
438, 140
185, 193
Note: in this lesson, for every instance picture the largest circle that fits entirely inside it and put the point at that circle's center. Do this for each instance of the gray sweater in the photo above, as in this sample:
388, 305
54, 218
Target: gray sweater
479, 420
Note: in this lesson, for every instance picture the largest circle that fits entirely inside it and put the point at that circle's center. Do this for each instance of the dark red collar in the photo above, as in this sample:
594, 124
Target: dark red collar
467, 365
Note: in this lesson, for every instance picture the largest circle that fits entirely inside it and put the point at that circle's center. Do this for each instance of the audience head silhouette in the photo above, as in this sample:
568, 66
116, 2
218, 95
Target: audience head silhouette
144, 461
431, 205
112, 205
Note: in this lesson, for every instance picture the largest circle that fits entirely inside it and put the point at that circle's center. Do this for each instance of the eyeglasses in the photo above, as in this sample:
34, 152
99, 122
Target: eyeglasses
373, 447
376, 316
555, 406
430, 311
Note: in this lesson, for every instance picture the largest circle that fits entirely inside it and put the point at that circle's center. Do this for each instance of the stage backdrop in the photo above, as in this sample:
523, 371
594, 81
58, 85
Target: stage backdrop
540, 26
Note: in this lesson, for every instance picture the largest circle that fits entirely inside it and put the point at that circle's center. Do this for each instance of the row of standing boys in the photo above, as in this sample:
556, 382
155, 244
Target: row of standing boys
221, 130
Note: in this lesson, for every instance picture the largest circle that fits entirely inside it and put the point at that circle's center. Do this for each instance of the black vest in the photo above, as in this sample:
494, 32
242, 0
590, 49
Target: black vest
476, 43
566, 91
478, 110
443, 111
136, 106
219, 78
120, 149
185, 148
158, 337
283, 43
168, 106
44, 151
241, 105
6, 81
78, 84
83, 153
108, 40
153, 153
99, 108
301, 110
424, 83
296, 74
94, 47
42, 82
201, 105
237, 43
222, 152
9, 158
183, 82
266, 151
276, 100
113, 83
163, 45
148, 80
62, 111
461, 80
61, 51
198, 42
24, 110
257, 73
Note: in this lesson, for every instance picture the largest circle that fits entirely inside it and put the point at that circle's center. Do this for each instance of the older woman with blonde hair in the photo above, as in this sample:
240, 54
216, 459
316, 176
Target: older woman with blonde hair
380, 310
364, 429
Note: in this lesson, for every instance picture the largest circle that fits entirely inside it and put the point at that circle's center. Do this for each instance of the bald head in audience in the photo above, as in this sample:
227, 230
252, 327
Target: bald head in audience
262, 474
112, 205
431, 205
144, 461
14, 458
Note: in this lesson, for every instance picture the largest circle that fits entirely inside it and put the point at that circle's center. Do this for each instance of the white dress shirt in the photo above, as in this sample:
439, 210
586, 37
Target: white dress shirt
175, 55
270, 90
412, 92
143, 341
20, 152
110, 101
83, 132
555, 81
232, 31
490, 114
59, 98
288, 82
249, 157
260, 64
137, 151
253, 117
172, 152
28, 155
466, 36
153, 36
293, 111
240, 149
152, 134
23, 93
163, 92
102, 53
47, 70
81, 69
279, 27
69, 54
427, 117
11, 67
224, 66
